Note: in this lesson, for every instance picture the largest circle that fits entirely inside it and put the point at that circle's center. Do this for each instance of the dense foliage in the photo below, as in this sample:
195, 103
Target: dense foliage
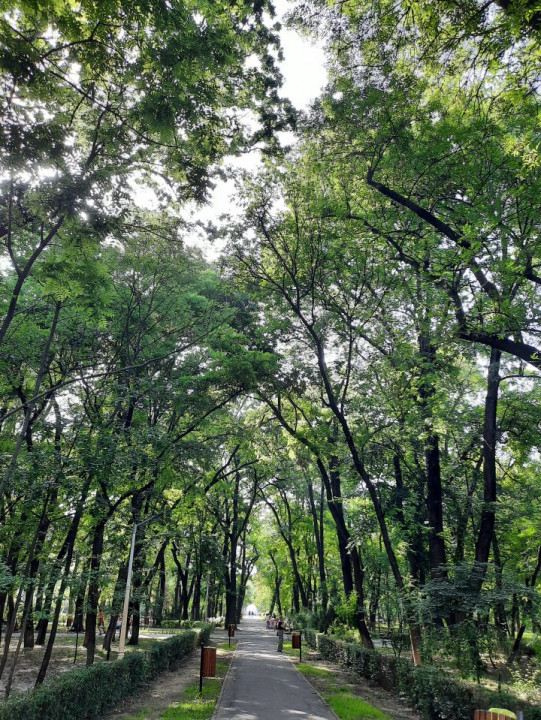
435, 694
341, 417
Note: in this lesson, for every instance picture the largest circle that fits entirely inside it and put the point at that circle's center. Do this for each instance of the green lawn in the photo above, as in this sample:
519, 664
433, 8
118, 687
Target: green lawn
312, 671
349, 707
192, 706
346, 705
225, 645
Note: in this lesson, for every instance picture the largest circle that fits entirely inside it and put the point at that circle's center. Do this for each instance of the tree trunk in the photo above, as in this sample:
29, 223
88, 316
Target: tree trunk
160, 591
352, 573
68, 546
78, 616
276, 598
318, 536
434, 500
488, 514
196, 597
500, 614
231, 583
93, 592
116, 607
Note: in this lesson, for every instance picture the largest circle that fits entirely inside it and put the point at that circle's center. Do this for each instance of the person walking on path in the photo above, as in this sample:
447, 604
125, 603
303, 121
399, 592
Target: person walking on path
280, 633
265, 685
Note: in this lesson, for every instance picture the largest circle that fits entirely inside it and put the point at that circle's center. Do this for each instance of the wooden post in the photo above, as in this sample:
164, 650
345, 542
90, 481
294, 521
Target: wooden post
76, 644
201, 671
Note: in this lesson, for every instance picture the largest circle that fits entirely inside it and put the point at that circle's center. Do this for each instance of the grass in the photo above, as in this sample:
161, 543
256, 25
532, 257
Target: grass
221, 669
192, 706
349, 707
346, 705
225, 646
288, 650
313, 671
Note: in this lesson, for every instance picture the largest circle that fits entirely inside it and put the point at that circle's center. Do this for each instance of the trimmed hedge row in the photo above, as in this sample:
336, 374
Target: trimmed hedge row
435, 694
89, 692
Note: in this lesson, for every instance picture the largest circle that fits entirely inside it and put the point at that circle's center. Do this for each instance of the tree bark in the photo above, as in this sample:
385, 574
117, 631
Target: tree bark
318, 536
434, 499
67, 552
94, 591
488, 513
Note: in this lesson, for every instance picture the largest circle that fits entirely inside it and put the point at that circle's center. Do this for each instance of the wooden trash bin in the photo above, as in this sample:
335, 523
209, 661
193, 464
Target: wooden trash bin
493, 715
296, 640
209, 662
231, 630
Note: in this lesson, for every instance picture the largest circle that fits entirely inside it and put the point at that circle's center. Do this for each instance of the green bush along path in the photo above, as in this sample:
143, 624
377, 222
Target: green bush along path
92, 691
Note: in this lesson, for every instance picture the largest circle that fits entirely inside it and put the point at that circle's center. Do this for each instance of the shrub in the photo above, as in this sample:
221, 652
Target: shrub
435, 694
310, 636
170, 624
91, 691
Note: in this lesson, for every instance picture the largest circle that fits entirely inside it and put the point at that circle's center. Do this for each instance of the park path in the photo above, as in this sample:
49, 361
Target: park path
263, 684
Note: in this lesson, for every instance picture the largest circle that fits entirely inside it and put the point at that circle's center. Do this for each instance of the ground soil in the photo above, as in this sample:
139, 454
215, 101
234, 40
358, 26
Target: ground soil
29, 661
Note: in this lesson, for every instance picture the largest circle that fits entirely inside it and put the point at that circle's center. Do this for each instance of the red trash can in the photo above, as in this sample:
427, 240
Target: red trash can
209, 662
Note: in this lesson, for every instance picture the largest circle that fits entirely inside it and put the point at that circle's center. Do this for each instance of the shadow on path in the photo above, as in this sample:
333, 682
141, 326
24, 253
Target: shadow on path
263, 684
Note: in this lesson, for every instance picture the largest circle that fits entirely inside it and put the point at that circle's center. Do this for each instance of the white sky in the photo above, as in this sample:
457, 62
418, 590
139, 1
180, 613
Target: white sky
304, 64
305, 75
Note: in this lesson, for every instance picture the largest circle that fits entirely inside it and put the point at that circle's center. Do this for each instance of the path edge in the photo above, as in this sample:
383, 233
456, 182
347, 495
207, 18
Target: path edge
333, 714
226, 676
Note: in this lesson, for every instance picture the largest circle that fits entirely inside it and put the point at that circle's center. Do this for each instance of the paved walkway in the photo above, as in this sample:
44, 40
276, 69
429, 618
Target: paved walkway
263, 684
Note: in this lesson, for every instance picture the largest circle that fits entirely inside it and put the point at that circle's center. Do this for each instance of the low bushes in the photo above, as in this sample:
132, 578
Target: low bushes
89, 692
435, 694
183, 624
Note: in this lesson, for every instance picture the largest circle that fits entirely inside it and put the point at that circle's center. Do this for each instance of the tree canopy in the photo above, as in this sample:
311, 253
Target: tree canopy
338, 418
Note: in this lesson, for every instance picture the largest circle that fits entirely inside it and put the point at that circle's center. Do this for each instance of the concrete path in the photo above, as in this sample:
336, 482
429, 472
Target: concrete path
263, 684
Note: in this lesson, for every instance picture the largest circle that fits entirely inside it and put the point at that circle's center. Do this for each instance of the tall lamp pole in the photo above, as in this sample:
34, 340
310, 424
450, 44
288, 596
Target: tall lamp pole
124, 625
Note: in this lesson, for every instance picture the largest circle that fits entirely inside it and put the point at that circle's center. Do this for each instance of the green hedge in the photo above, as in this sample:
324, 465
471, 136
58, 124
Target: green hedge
90, 692
183, 624
435, 694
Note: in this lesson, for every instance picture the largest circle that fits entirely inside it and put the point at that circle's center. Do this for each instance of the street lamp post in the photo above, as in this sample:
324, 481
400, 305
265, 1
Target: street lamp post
124, 624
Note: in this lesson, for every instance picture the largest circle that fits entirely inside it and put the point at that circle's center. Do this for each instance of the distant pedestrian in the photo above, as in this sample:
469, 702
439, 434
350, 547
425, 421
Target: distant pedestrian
267, 621
280, 634
101, 622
